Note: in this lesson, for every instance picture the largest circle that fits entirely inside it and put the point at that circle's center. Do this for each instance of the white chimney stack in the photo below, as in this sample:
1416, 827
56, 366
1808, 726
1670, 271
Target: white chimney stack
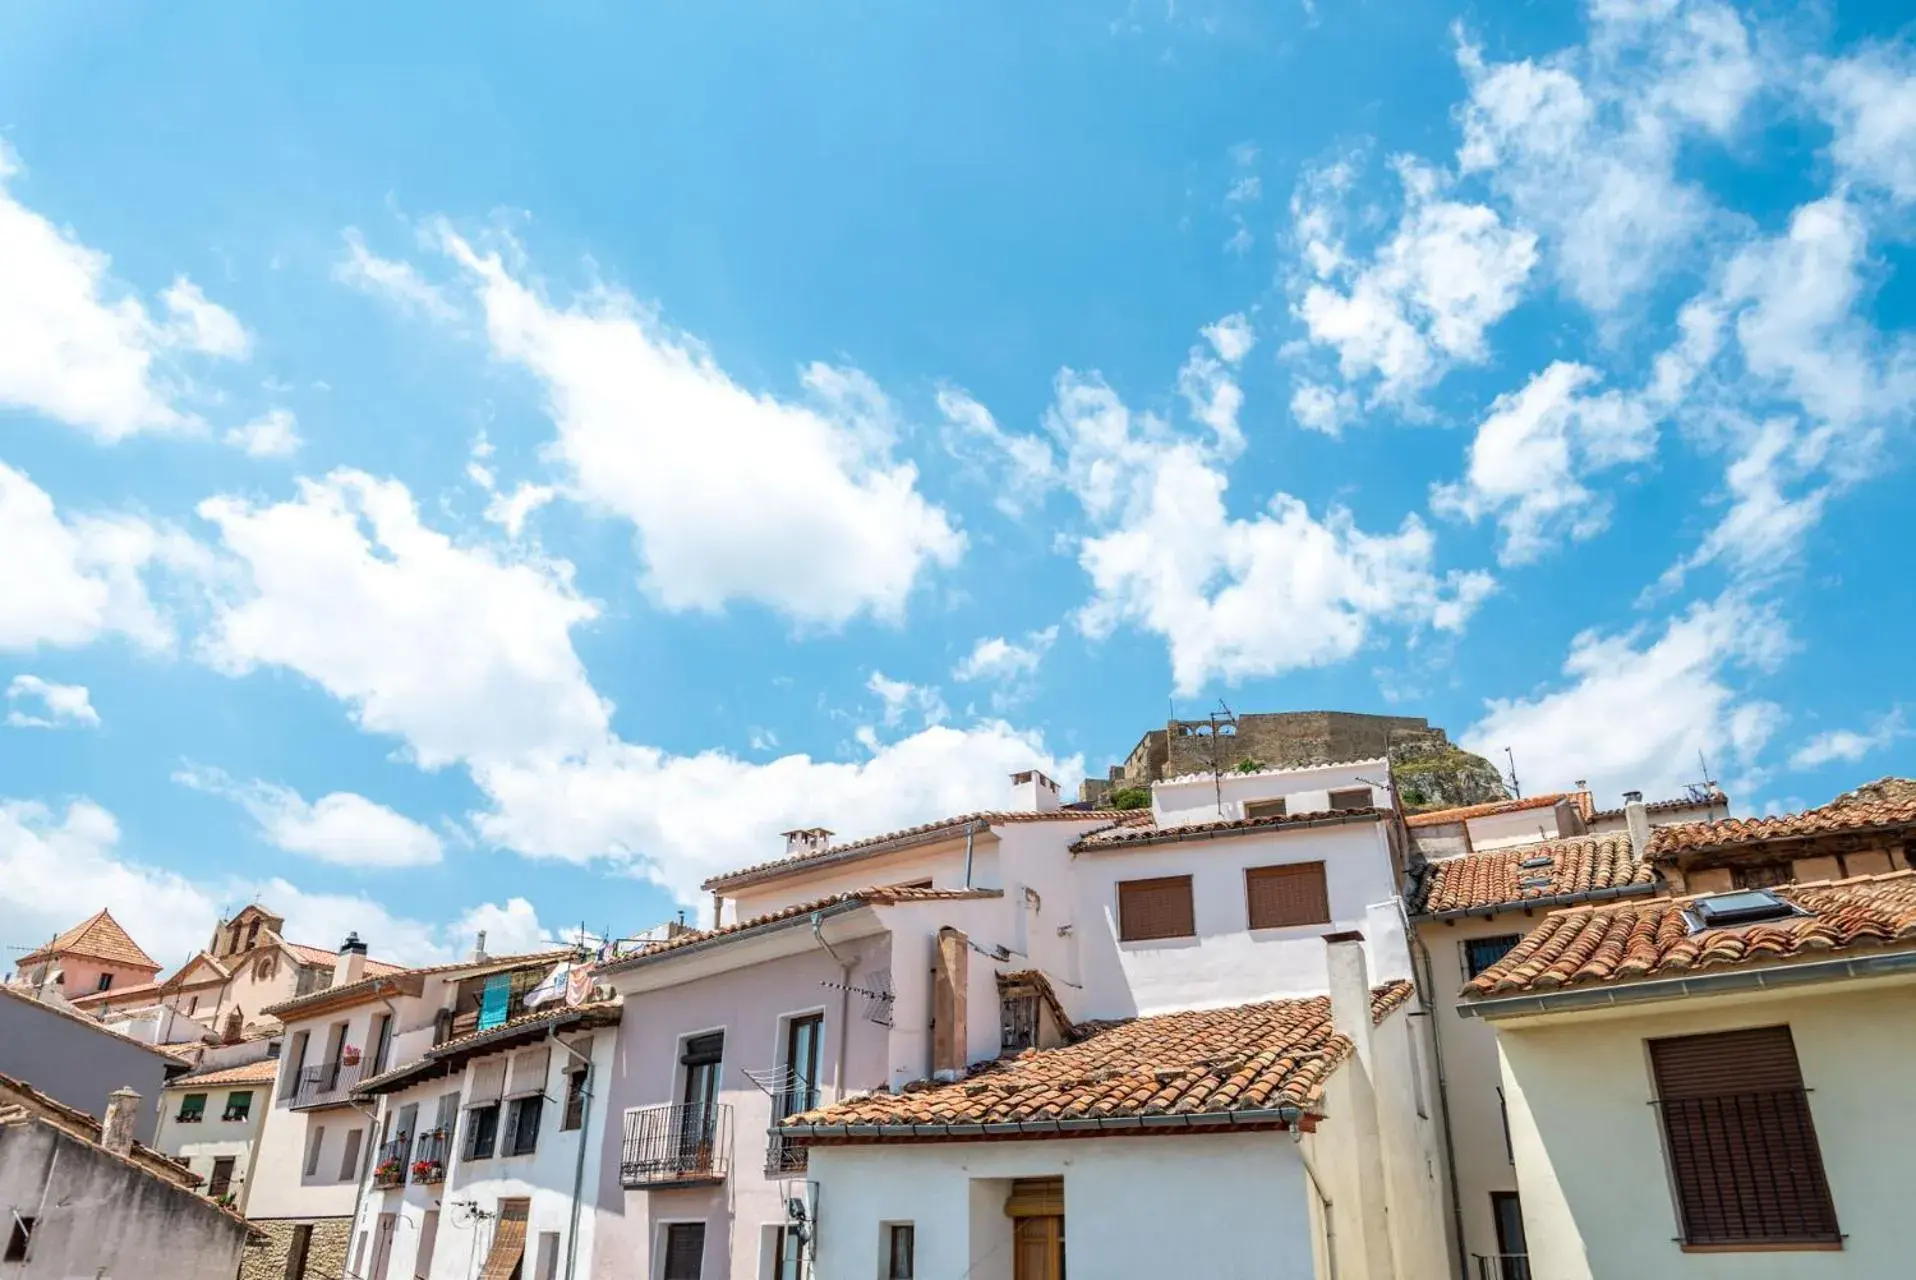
802, 842
122, 1111
1032, 792
351, 965
478, 955
1637, 819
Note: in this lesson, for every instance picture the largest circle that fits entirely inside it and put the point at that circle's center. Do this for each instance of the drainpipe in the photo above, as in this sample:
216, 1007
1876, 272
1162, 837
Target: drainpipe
1324, 1202
968, 838
578, 1171
845, 988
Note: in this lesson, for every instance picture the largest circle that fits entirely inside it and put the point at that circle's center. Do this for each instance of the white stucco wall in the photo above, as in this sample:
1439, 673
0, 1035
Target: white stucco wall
213, 1138
1178, 801
1238, 1201
1590, 1165
1525, 826
1229, 963
280, 1187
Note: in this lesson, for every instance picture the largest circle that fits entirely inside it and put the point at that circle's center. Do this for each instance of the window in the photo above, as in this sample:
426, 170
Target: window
1352, 798
1514, 1259
349, 1161
17, 1239
382, 1039
192, 1108
239, 1105
684, 1250
315, 1138
1278, 897
1762, 877
1481, 953
192, 1005
574, 1115
273, 1048
1017, 1021
222, 1180
106, 980
1265, 808
482, 1131
900, 1238
1740, 1141
296, 1250
1160, 908
548, 1266
522, 1126
803, 1038
289, 1075
1745, 906
701, 1059
788, 1257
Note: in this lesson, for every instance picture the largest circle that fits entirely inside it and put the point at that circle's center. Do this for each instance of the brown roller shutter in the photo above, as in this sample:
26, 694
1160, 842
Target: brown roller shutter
1281, 896
1158, 908
1740, 1139
508, 1241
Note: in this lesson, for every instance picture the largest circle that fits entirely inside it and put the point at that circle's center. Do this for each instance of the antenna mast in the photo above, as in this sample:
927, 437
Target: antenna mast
1516, 788
1222, 723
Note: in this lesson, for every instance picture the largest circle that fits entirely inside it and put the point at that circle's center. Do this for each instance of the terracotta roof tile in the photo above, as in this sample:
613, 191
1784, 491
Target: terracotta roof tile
117, 996
1442, 817
264, 1071
20, 1102
1253, 1057
98, 937
1500, 878
321, 956
1141, 831
366, 985
873, 844
1717, 800
1852, 812
1653, 938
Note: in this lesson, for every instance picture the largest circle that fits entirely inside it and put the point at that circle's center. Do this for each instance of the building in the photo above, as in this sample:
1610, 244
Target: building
491, 1141
210, 1118
1695, 1084
70, 1057
93, 956
83, 1198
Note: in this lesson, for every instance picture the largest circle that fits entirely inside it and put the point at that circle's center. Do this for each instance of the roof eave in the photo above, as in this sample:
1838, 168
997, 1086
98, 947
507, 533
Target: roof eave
1255, 827
802, 866
1287, 1116
1532, 904
643, 958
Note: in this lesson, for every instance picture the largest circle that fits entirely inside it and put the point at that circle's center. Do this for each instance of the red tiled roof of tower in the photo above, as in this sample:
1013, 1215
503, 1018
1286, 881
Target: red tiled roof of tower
98, 937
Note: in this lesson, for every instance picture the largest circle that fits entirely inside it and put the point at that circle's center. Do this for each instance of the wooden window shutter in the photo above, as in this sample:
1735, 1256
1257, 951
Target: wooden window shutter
684, 1250
1289, 895
508, 1241
1159, 908
1740, 1139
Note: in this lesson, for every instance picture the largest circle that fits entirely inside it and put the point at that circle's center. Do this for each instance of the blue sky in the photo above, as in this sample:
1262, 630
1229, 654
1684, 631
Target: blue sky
498, 473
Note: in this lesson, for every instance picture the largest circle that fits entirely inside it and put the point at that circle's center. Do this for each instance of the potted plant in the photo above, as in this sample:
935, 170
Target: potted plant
349, 1055
428, 1171
389, 1172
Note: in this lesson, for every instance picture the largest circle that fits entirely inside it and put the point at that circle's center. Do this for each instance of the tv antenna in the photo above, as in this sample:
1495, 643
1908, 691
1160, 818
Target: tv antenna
1221, 724
1516, 788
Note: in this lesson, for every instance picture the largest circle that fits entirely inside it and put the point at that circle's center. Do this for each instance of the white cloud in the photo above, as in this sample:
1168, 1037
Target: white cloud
900, 698
202, 325
1318, 407
70, 581
460, 651
398, 282
61, 706
1635, 708
762, 739
736, 495
1849, 745
1425, 299
1870, 102
1207, 384
1232, 337
274, 434
510, 511
1532, 452
1021, 468
997, 659
341, 828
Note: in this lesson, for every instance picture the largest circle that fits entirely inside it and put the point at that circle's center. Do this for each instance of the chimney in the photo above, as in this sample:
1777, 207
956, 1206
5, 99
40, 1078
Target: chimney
805, 841
1368, 1251
1637, 818
351, 965
1032, 792
122, 1113
948, 982
478, 955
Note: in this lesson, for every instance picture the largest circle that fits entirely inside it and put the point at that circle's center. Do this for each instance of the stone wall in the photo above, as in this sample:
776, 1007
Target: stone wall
326, 1255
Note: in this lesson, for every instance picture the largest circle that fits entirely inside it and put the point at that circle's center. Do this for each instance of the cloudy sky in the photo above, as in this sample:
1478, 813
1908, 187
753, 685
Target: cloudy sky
497, 473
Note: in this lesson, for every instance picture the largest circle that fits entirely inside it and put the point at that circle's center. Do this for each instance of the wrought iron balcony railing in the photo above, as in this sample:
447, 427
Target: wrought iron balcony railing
389, 1170
430, 1155
325, 1086
676, 1145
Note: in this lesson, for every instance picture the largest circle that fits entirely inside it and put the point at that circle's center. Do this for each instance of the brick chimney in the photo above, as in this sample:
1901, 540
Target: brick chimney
1032, 792
351, 965
948, 982
122, 1114
1637, 819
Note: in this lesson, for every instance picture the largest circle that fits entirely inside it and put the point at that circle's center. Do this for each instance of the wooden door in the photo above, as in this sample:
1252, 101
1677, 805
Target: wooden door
1038, 1250
382, 1247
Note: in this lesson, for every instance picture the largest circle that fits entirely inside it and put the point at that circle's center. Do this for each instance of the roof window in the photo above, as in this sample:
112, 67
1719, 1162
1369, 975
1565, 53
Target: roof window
1744, 906
1541, 860
1534, 882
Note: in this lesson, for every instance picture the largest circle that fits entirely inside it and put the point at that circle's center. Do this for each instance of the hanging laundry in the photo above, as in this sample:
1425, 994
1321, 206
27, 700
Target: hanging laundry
495, 1001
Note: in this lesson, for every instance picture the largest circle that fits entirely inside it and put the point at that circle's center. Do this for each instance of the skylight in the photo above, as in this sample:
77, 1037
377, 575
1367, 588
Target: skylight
1745, 906
1541, 860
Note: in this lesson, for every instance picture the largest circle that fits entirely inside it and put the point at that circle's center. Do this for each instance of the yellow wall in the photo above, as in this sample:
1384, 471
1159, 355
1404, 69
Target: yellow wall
1589, 1152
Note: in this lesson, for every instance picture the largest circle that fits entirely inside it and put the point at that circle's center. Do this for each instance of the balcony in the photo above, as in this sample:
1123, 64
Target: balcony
389, 1170
676, 1146
785, 1158
430, 1155
1502, 1266
324, 1086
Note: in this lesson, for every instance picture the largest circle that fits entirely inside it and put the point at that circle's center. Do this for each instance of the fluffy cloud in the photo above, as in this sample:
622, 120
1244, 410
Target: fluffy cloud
1635, 709
736, 495
397, 282
77, 348
1870, 102
71, 581
900, 698
1020, 468
1422, 302
1207, 384
460, 651
34, 703
998, 659
1849, 745
274, 434
341, 827
1533, 450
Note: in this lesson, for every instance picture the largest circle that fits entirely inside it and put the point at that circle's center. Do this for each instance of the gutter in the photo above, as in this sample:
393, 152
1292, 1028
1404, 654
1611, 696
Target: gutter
770, 926
972, 827
1174, 836
1286, 1116
1532, 904
1894, 963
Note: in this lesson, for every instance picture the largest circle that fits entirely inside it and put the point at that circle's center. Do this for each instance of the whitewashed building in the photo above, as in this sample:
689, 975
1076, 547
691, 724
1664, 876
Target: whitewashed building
210, 1121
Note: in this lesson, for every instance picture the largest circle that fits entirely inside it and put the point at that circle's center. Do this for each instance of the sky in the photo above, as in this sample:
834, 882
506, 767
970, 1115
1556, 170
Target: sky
496, 473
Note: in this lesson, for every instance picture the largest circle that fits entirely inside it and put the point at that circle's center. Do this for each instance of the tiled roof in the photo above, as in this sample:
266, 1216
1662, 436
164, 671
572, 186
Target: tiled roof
1842, 814
374, 976
117, 996
265, 1071
177, 980
1500, 878
595, 1012
1652, 938
25, 997
1717, 800
1443, 817
98, 937
1214, 1062
876, 844
878, 895
20, 1102
1144, 831
321, 956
